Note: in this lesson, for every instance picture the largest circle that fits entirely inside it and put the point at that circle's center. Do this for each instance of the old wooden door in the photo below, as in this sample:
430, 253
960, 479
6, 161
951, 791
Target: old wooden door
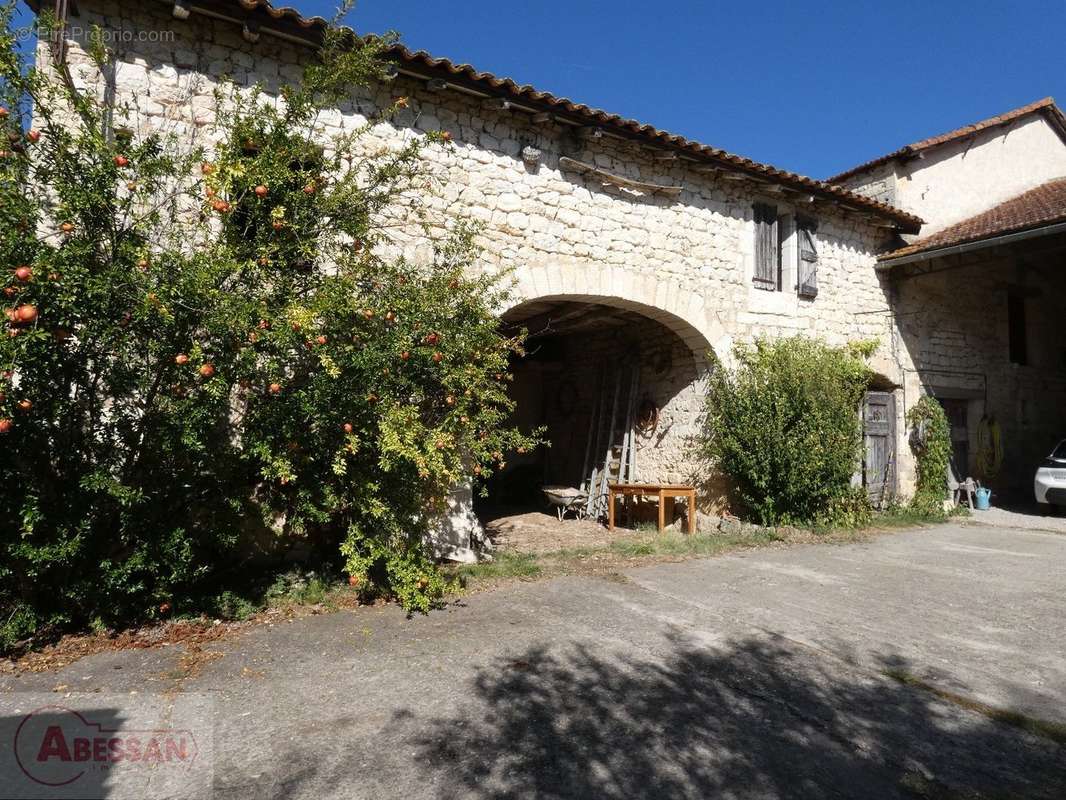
879, 438
958, 412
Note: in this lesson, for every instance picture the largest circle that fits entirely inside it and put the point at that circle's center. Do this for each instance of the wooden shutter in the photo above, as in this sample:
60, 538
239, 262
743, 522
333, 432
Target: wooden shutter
766, 247
807, 270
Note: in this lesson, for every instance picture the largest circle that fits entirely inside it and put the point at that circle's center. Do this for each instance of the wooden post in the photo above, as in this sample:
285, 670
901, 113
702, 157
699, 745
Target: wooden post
624, 473
692, 512
610, 509
662, 511
599, 410
605, 479
592, 432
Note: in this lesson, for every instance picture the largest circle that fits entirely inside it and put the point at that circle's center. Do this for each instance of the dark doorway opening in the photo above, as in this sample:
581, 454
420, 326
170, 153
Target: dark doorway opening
592, 368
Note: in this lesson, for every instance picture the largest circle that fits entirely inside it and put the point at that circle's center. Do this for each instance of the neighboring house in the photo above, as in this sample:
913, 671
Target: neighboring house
980, 297
630, 246
947, 178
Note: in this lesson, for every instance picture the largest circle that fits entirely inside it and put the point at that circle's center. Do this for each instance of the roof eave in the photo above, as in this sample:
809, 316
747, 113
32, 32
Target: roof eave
888, 261
581, 116
288, 24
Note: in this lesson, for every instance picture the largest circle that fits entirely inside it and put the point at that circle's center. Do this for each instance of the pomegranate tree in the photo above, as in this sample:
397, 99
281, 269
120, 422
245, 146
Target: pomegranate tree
253, 364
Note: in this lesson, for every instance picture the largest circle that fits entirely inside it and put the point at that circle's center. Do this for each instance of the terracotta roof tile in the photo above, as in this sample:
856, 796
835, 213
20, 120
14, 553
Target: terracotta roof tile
1044, 205
289, 21
1046, 106
593, 116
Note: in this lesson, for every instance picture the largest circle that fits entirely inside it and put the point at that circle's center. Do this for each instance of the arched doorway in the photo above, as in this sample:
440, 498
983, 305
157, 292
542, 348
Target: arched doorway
616, 384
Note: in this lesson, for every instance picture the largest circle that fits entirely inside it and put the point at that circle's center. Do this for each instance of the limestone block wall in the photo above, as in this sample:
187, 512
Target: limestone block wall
668, 379
687, 261
954, 343
878, 182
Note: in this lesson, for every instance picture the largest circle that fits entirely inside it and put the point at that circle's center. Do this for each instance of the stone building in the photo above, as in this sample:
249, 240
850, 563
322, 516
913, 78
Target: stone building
980, 298
632, 249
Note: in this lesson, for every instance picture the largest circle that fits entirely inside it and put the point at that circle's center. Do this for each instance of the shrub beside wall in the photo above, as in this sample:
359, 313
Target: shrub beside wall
784, 426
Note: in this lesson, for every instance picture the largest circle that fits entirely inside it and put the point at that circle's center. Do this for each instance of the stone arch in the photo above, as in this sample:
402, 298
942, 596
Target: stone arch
682, 309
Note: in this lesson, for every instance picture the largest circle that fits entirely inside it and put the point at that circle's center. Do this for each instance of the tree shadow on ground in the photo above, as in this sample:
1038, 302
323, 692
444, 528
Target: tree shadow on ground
756, 718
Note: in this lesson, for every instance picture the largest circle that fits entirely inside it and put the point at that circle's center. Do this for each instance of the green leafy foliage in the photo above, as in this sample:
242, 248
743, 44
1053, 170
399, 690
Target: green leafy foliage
932, 446
217, 344
784, 426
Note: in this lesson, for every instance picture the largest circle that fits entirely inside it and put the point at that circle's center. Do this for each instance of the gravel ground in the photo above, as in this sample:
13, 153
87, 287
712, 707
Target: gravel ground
540, 532
1024, 518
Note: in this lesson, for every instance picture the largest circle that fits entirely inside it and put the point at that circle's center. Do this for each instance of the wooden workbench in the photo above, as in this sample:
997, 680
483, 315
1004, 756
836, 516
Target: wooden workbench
662, 491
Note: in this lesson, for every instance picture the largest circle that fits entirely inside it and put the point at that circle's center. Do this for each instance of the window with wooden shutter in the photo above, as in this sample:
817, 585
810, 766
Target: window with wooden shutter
767, 249
807, 268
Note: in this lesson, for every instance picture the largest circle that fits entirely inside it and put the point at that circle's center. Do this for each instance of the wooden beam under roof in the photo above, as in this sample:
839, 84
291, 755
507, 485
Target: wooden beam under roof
553, 316
588, 324
573, 165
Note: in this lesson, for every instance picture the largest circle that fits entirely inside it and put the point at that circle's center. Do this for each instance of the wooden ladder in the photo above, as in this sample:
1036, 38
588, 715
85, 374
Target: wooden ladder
617, 391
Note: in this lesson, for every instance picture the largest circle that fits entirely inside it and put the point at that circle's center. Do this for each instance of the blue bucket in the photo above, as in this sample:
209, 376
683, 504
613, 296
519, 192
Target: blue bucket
983, 498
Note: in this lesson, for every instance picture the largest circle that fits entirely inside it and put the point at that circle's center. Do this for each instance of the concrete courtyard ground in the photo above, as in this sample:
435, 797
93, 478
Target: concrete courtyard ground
926, 663
1027, 516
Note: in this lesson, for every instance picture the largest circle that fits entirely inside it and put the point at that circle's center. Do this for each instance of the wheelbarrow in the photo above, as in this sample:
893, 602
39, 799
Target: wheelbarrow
566, 498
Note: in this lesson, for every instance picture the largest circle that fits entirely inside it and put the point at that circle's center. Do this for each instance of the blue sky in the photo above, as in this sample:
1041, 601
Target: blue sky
814, 88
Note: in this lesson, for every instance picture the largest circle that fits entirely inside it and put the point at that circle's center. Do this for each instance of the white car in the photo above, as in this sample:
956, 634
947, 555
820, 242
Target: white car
1050, 481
